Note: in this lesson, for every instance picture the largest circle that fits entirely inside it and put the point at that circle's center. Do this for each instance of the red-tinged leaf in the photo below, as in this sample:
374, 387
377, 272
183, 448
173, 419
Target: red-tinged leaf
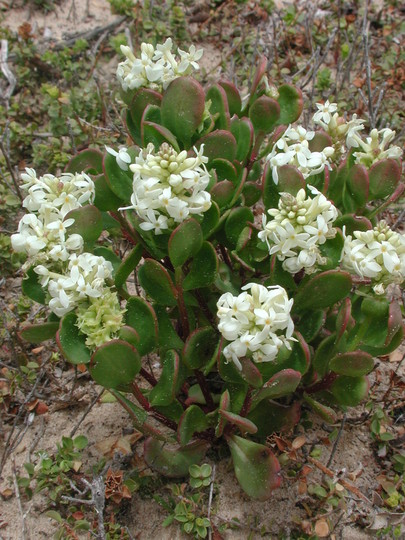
350, 391
257, 78
71, 342
199, 347
156, 281
224, 405
320, 141
291, 103
173, 462
203, 270
243, 423
88, 223
264, 114
193, 420
353, 363
323, 290
35, 333
170, 381
185, 241
343, 318
89, 161
281, 384
357, 185
141, 316
326, 413
243, 131
384, 177
394, 321
256, 467
233, 97
222, 193
157, 135
115, 364
218, 144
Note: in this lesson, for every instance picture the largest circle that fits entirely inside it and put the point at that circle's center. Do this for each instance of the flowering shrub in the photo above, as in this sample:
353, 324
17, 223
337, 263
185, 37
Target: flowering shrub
258, 249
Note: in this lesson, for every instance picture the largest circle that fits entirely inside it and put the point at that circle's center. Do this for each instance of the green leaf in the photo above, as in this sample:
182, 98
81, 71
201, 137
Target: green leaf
89, 161
170, 381
210, 220
236, 222
310, 324
88, 223
242, 130
115, 364
353, 364
291, 103
233, 97
324, 352
128, 265
224, 170
185, 241
350, 391
80, 442
271, 417
323, 290
199, 347
182, 108
35, 333
142, 98
281, 384
130, 335
219, 106
168, 337
203, 270
105, 199
173, 462
32, 287
157, 135
119, 181
141, 316
264, 114
193, 420
256, 467
156, 281
323, 411
71, 342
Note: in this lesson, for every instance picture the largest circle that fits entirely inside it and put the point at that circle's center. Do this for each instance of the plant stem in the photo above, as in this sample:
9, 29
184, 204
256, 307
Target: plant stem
324, 384
148, 407
148, 377
202, 382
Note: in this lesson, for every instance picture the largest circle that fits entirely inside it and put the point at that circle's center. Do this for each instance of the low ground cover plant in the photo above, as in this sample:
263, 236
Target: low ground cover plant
258, 265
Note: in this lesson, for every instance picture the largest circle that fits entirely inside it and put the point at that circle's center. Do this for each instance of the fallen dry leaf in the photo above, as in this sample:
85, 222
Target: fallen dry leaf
298, 442
110, 445
322, 528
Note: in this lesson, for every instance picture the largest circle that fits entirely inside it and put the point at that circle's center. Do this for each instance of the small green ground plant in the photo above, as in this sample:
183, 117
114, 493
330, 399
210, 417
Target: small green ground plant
259, 262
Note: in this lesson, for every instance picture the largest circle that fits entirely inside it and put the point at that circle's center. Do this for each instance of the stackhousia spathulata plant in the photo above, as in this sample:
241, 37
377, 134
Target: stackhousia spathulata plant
258, 246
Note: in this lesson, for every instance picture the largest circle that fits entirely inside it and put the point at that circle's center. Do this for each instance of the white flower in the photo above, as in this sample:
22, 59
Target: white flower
377, 254
373, 149
122, 157
324, 112
299, 226
168, 186
256, 323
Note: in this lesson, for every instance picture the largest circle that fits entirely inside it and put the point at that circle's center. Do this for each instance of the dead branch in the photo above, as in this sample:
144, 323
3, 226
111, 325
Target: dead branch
19, 503
367, 65
9, 75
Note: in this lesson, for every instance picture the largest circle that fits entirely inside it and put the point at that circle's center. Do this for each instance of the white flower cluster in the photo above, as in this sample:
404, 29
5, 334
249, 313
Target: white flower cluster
257, 324
344, 132
377, 254
43, 233
156, 67
292, 148
83, 278
299, 226
72, 279
168, 187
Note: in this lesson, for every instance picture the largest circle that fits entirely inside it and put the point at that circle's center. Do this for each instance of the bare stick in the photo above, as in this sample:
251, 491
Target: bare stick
18, 497
210, 499
86, 412
332, 454
9, 75
366, 49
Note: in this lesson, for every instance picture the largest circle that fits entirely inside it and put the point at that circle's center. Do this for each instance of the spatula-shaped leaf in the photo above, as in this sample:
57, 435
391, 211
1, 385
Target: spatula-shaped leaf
326, 413
264, 114
193, 420
323, 290
310, 324
256, 467
71, 342
353, 364
170, 380
141, 316
142, 98
222, 193
357, 185
157, 135
182, 108
210, 220
291, 103
88, 223
384, 177
119, 181
218, 144
128, 265
90, 160
115, 364
219, 106
281, 384
105, 199
168, 337
185, 241
224, 170
350, 391
130, 335
243, 423
173, 461
257, 78
251, 374
233, 97
319, 141
224, 405
199, 347
32, 287
35, 333
242, 130
156, 281
236, 222
271, 417
204, 268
